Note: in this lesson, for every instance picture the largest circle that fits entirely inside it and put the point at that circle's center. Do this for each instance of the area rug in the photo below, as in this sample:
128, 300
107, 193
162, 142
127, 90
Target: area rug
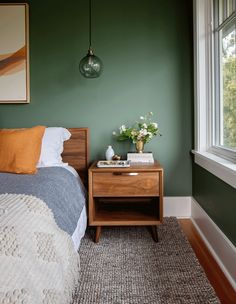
128, 267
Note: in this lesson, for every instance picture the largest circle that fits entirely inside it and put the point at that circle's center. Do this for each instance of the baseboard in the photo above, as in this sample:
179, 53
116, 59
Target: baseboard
218, 244
178, 206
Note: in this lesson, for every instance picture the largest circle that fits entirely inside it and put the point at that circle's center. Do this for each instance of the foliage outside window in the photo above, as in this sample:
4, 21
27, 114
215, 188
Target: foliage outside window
225, 72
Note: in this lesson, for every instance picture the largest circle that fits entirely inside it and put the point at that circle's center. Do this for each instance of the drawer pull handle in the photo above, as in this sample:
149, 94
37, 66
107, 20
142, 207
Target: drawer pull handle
126, 173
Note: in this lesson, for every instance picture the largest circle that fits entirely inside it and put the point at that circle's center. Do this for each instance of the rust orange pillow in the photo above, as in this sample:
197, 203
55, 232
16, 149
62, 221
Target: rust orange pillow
20, 149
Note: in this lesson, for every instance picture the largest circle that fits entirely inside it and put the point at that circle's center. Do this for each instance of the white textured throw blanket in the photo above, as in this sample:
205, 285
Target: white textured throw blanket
38, 263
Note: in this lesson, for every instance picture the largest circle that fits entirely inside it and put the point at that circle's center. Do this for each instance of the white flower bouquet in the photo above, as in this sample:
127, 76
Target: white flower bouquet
143, 130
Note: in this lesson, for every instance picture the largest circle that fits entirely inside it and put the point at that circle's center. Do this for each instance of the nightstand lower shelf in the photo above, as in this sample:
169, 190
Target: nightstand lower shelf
125, 212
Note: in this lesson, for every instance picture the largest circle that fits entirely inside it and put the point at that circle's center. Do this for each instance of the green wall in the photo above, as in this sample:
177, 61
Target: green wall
146, 47
217, 198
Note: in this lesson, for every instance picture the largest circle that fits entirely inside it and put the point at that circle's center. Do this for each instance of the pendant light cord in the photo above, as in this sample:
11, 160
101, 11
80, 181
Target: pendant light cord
90, 24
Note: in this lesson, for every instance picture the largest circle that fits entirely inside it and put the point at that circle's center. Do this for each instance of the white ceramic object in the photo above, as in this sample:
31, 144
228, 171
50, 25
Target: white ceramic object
109, 153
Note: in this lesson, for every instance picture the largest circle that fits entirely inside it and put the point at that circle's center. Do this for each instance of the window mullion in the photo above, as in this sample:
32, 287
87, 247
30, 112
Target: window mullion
228, 20
210, 85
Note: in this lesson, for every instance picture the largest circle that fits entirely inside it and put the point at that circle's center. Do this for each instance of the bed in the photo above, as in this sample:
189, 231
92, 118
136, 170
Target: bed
39, 215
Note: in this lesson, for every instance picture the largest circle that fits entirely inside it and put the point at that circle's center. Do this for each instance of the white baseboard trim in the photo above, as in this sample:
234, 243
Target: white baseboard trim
216, 241
178, 206
218, 244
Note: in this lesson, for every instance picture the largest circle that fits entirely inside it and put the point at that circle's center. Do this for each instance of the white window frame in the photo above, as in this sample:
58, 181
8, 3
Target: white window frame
219, 161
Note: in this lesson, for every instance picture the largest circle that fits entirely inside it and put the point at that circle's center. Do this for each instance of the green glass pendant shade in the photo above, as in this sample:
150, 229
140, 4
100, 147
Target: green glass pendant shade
90, 66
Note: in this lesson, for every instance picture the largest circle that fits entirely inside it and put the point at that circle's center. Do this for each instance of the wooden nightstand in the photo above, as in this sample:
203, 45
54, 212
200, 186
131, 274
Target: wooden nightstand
126, 197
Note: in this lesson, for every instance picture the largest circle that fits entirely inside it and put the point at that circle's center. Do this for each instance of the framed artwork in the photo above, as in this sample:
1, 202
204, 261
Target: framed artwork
14, 53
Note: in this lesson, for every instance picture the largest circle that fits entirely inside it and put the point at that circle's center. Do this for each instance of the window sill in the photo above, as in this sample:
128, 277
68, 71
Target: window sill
218, 166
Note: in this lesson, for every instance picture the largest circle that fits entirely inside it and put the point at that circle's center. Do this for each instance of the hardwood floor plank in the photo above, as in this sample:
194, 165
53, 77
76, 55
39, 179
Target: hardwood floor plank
223, 288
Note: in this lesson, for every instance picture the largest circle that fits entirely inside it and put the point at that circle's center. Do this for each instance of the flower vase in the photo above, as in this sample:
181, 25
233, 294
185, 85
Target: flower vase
139, 145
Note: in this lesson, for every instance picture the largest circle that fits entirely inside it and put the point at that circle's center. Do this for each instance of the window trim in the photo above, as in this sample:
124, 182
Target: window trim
223, 152
207, 155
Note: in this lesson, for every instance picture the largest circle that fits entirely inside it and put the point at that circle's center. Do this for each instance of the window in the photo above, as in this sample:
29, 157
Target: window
215, 87
224, 54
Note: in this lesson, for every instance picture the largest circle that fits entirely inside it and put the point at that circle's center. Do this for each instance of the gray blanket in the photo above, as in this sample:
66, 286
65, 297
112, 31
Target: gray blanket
56, 186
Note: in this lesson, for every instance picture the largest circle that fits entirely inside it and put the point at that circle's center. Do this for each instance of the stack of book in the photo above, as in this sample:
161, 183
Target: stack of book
145, 158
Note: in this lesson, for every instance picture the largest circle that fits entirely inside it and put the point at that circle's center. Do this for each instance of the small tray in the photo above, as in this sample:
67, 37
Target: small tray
113, 163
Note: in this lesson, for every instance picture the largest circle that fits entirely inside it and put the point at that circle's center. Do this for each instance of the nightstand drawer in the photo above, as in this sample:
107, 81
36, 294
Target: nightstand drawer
120, 183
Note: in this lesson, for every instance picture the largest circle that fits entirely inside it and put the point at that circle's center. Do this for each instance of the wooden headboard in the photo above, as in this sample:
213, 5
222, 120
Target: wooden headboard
76, 151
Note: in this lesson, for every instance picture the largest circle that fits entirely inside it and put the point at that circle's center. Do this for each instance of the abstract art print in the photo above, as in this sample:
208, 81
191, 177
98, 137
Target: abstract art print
14, 53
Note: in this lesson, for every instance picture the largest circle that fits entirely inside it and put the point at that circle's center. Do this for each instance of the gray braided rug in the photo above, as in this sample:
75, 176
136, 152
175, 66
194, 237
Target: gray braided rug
128, 267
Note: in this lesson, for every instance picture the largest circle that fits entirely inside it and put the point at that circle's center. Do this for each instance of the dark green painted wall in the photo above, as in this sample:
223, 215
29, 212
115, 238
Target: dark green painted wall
146, 47
217, 198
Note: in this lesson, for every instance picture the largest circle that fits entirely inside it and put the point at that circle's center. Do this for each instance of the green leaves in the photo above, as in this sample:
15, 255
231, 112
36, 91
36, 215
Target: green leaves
229, 95
143, 130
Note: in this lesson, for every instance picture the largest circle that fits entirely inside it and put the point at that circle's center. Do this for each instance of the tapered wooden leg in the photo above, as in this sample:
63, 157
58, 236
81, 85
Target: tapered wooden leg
98, 232
155, 233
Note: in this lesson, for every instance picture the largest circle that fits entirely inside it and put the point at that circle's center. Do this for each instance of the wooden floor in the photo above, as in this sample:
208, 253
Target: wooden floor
222, 287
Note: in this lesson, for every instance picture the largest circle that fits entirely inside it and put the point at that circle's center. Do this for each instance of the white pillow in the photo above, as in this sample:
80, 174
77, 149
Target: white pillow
52, 147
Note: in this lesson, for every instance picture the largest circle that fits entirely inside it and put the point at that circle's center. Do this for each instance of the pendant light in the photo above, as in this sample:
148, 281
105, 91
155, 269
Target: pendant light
90, 66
